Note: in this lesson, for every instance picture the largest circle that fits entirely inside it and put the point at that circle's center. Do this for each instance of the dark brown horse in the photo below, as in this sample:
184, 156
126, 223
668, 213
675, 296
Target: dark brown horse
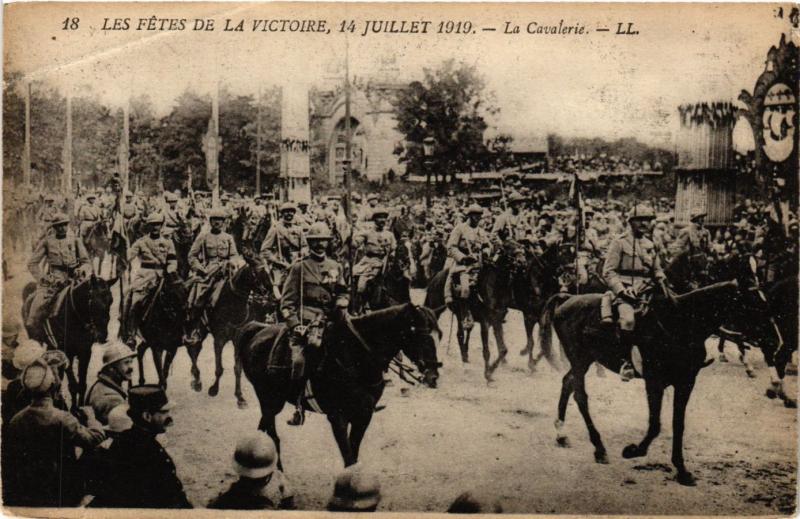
80, 320
246, 296
392, 285
670, 336
489, 301
348, 381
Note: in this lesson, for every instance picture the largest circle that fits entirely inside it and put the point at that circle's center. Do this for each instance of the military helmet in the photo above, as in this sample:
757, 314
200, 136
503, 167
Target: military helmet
116, 352
641, 212
379, 211
697, 213
127, 193
217, 213
355, 490
475, 209
516, 197
59, 219
91, 196
170, 197
38, 378
255, 456
288, 206
318, 231
372, 196
49, 197
155, 219
356, 197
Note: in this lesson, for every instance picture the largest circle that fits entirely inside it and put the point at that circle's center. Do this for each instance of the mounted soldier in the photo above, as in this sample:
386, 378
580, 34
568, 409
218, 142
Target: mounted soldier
283, 244
379, 244
173, 218
511, 224
64, 255
630, 266
314, 295
88, 215
694, 238
590, 249
209, 259
130, 212
46, 215
464, 249
157, 257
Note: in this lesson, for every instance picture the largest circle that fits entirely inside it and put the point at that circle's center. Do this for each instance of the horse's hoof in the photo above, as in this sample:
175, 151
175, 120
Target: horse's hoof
632, 451
563, 442
601, 458
213, 390
686, 479
772, 394
464, 359
750, 373
723, 358
197, 385
789, 402
525, 351
241, 403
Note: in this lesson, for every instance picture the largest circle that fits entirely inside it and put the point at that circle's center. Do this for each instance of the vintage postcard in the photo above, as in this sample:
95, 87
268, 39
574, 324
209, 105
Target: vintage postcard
399, 257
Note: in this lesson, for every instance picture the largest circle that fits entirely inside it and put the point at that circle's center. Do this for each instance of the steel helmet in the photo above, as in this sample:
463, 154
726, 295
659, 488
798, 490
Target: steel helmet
115, 352
288, 206
355, 490
218, 213
155, 219
475, 209
641, 212
59, 219
26, 353
379, 211
255, 456
319, 231
38, 378
372, 196
91, 196
170, 197
516, 197
697, 213
49, 197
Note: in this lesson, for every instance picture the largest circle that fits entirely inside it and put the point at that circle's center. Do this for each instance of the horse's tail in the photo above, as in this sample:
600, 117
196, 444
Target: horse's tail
546, 327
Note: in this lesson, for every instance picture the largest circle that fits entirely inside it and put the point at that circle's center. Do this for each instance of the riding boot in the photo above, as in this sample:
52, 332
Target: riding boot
606, 313
626, 371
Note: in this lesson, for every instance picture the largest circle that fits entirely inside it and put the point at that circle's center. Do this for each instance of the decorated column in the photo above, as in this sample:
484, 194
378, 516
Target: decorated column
295, 159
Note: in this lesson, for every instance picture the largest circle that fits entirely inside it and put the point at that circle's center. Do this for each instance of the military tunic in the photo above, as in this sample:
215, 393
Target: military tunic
321, 284
104, 395
210, 256
172, 220
88, 215
692, 239
630, 263
377, 245
154, 255
283, 244
510, 225
464, 241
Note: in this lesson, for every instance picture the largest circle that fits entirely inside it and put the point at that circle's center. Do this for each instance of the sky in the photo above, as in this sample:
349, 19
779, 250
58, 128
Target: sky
593, 85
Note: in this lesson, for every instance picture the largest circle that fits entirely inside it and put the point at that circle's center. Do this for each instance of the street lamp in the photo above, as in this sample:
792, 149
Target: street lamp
428, 145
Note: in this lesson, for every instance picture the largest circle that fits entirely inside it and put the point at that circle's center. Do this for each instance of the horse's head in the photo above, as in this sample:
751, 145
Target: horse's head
420, 341
94, 296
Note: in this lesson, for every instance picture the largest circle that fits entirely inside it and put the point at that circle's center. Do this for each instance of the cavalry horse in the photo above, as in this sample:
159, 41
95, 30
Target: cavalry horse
166, 307
348, 382
489, 301
79, 319
97, 241
670, 336
245, 296
391, 286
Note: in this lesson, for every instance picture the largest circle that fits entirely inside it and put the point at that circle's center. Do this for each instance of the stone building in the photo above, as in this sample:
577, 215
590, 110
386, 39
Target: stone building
373, 127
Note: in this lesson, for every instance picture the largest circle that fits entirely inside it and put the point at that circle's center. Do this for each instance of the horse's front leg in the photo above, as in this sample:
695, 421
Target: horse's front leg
497, 328
655, 396
582, 399
218, 345
237, 372
487, 368
72, 385
83, 369
682, 393
140, 360
358, 427
530, 322
194, 351
339, 427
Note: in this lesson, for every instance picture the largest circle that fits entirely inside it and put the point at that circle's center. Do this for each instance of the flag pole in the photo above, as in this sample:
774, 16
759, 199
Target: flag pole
347, 162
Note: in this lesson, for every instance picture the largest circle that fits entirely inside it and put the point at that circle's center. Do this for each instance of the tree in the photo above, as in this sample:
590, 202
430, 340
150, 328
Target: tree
145, 160
180, 138
449, 104
13, 127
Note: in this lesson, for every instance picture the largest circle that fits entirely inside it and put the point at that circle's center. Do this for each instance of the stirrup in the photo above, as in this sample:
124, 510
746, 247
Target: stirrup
627, 372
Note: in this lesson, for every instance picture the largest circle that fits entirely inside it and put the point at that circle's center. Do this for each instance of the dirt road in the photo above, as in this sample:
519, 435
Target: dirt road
430, 445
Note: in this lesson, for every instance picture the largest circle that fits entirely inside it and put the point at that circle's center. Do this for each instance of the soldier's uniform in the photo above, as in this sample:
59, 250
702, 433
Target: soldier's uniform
44, 217
630, 265
173, 218
378, 245
588, 251
255, 214
88, 215
156, 255
511, 223
130, 212
463, 251
63, 258
209, 258
318, 283
693, 238
282, 245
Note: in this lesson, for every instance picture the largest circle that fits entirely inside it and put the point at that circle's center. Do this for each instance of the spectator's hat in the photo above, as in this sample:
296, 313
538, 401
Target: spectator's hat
516, 197
38, 378
26, 353
91, 196
318, 231
155, 219
115, 352
255, 456
288, 206
355, 490
217, 213
356, 197
59, 219
148, 397
379, 211
697, 213
170, 197
118, 419
372, 196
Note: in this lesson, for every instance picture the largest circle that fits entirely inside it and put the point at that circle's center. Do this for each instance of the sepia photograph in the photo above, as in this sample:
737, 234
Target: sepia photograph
485, 258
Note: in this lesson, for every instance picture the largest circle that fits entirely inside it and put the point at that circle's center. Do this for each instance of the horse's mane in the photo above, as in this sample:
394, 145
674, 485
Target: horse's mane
379, 318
